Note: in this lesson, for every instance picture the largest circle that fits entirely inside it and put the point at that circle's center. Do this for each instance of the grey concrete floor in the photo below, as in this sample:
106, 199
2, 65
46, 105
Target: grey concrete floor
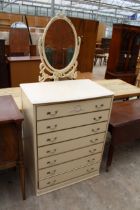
118, 189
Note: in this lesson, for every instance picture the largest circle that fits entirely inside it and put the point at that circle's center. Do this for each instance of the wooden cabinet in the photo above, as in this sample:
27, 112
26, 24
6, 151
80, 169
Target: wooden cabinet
65, 129
11, 148
4, 71
123, 53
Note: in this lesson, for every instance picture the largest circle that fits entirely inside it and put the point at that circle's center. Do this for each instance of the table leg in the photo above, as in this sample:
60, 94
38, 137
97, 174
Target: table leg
22, 179
110, 156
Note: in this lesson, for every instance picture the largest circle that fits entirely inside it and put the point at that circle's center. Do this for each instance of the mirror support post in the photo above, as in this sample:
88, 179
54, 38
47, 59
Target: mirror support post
52, 7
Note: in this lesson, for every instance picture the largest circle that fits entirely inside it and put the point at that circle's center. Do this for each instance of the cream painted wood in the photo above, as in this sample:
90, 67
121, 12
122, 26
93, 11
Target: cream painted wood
65, 152
84, 141
54, 149
72, 133
69, 156
66, 167
67, 183
72, 174
72, 108
71, 121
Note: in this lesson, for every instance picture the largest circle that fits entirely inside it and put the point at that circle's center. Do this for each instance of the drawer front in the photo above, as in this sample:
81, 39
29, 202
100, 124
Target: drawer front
68, 156
72, 108
72, 133
71, 121
70, 145
69, 166
72, 174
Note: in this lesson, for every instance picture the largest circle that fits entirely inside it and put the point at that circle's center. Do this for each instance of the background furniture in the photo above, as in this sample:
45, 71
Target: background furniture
123, 53
65, 130
124, 125
120, 88
11, 148
4, 71
19, 42
23, 69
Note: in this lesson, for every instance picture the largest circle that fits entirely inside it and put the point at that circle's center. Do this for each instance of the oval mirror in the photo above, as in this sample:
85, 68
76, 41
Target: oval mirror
59, 47
59, 44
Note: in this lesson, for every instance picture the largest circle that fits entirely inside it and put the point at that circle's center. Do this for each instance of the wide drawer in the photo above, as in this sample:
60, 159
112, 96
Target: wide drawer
67, 183
72, 108
68, 156
72, 133
70, 145
69, 166
71, 121
63, 177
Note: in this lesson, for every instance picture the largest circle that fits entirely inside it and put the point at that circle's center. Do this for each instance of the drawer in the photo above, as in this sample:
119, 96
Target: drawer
70, 145
72, 108
69, 166
71, 121
63, 177
72, 133
68, 156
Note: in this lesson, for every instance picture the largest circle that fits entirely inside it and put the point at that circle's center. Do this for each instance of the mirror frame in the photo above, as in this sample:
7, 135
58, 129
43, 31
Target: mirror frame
46, 70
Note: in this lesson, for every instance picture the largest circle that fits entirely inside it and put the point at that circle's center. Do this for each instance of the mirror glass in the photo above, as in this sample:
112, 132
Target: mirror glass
59, 44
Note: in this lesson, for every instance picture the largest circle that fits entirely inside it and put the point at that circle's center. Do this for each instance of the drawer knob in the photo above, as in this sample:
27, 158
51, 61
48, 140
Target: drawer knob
51, 163
52, 127
92, 151
95, 130
51, 152
90, 170
91, 160
51, 140
99, 106
51, 172
52, 113
97, 118
93, 140
51, 182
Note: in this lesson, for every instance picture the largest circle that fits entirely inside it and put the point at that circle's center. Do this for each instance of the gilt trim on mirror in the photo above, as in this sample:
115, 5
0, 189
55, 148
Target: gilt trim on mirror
47, 71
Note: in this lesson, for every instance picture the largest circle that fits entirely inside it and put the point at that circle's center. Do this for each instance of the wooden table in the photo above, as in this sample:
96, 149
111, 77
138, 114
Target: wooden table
120, 88
24, 69
11, 147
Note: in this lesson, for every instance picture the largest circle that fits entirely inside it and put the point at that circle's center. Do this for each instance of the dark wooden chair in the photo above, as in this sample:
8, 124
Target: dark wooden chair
124, 125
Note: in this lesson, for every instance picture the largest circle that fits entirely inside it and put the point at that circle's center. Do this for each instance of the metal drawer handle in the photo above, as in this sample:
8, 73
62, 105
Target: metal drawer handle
90, 170
52, 113
92, 150
51, 172
99, 106
93, 140
51, 182
51, 163
51, 140
95, 130
51, 152
97, 118
52, 127
91, 160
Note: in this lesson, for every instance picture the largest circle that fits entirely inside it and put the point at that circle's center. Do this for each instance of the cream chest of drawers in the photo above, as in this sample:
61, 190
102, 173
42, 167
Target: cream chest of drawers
64, 129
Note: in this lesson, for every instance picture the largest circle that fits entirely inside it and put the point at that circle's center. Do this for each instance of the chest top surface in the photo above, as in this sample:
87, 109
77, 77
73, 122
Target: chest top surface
9, 111
62, 91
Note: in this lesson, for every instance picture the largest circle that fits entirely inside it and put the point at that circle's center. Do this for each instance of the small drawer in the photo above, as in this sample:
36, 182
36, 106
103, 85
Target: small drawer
72, 133
68, 156
71, 121
69, 166
72, 108
70, 145
70, 175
